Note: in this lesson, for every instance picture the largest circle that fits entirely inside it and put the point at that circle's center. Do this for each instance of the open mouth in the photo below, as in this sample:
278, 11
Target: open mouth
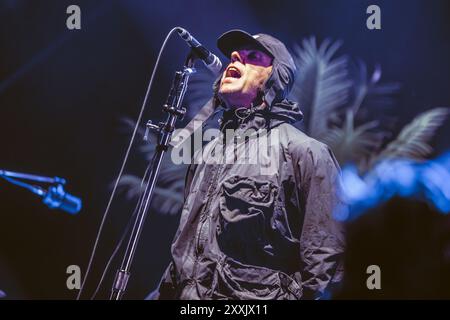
233, 72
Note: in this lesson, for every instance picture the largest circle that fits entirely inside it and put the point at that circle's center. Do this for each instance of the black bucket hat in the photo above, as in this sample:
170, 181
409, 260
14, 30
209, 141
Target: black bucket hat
282, 78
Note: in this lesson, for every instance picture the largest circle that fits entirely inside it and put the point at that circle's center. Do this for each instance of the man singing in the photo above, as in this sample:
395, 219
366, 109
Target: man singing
246, 232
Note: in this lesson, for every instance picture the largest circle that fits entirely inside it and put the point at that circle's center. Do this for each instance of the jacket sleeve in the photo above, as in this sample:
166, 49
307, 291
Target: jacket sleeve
322, 238
166, 288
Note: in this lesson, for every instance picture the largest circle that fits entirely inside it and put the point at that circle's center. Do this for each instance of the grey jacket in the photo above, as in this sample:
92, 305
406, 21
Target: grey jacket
245, 233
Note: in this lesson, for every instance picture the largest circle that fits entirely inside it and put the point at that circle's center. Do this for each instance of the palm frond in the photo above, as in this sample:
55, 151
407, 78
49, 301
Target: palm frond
322, 85
412, 141
165, 200
350, 143
169, 190
130, 185
368, 94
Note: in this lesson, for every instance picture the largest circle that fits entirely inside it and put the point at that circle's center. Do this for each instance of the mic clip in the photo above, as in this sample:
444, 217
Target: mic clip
55, 196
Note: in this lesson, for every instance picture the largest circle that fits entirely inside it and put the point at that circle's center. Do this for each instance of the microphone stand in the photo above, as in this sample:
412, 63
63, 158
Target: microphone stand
12, 177
165, 130
32, 177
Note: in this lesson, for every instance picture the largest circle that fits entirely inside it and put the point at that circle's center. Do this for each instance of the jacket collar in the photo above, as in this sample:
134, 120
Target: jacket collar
257, 117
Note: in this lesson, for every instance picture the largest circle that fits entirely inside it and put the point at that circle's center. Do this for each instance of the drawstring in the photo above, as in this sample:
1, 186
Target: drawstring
244, 112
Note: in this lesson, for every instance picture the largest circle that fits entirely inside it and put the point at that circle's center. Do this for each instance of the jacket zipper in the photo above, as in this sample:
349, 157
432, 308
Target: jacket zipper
204, 215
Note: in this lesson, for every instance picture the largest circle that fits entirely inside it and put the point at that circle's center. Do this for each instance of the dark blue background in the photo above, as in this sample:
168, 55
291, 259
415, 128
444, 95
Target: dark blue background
63, 92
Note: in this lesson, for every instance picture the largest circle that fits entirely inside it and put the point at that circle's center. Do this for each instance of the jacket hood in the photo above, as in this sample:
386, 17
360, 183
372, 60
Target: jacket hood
281, 80
286, 111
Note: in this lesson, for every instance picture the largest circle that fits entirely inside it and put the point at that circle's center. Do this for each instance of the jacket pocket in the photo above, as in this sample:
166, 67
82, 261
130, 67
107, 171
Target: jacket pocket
245, 205
244, 198
241, 281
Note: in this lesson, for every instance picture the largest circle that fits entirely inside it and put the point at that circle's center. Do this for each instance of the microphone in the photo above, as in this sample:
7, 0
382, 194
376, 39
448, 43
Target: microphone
211, 61
57, 198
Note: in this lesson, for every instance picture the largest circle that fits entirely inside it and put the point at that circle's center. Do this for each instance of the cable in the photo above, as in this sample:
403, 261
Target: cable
105, 214
119, 244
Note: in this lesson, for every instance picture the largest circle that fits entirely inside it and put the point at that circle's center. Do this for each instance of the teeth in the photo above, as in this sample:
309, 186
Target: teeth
233, 72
